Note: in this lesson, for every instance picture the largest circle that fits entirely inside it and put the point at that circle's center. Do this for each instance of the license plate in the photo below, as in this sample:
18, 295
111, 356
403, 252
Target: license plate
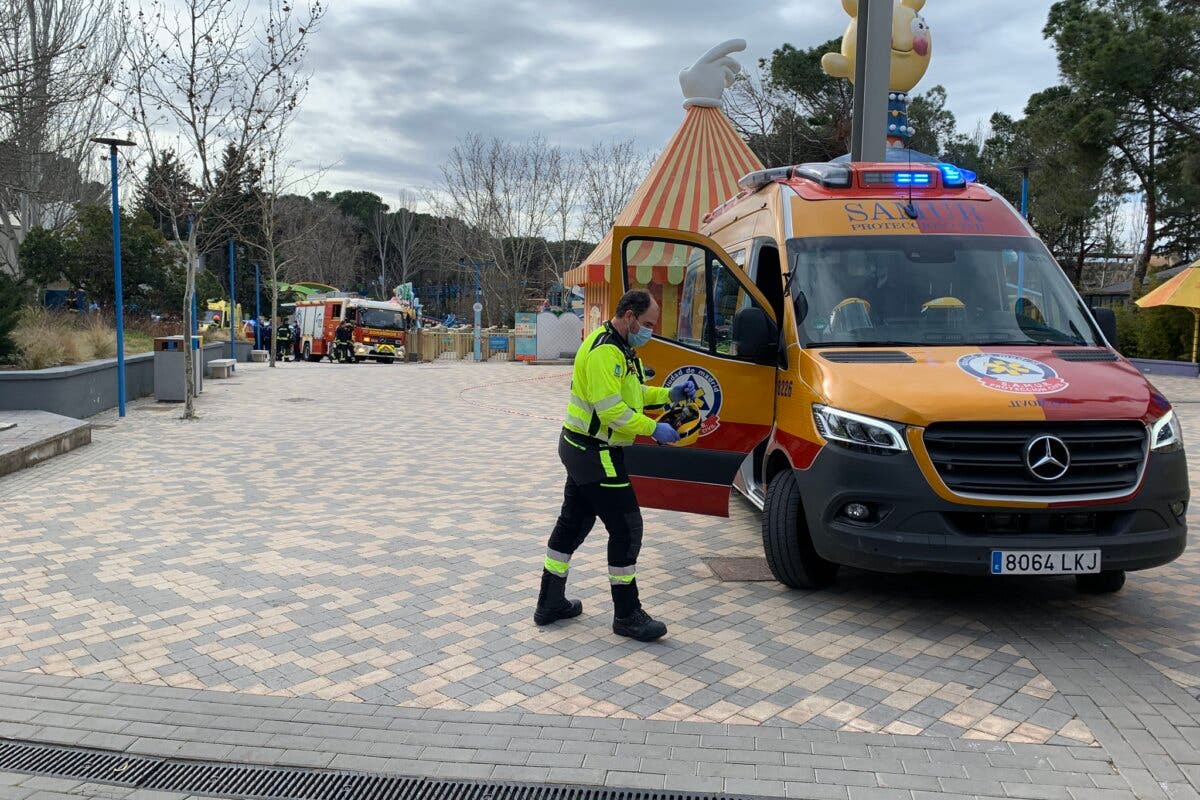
1045, 562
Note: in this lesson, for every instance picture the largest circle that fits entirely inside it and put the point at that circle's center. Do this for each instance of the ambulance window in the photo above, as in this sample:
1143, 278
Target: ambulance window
699, 296
769, 279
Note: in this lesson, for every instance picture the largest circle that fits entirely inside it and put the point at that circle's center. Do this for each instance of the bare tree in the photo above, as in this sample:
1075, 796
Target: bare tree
221, 79
282, 238
57, 61
317, 237
567, 194
503, 195
381, 228
409, 238
610, 173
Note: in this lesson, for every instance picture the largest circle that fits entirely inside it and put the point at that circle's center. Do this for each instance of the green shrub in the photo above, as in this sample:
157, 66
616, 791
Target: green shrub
1163, 333
11, 299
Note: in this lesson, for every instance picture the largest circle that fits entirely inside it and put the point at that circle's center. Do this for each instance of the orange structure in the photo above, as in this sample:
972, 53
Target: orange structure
698, 170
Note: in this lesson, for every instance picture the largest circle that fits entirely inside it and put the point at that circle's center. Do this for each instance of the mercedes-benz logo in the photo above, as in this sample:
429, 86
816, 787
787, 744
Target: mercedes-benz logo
1047, 458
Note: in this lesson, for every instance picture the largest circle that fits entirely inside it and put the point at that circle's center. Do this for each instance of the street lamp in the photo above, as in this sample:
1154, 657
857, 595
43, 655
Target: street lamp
1024, 170
113, 144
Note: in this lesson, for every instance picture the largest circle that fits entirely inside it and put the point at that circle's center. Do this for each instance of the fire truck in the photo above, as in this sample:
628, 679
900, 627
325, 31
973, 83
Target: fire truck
380, 328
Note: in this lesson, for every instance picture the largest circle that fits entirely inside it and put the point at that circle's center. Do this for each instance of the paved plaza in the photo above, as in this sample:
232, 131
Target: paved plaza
337, 566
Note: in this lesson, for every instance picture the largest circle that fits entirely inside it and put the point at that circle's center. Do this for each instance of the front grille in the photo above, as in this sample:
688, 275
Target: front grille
1023, 523
988, 459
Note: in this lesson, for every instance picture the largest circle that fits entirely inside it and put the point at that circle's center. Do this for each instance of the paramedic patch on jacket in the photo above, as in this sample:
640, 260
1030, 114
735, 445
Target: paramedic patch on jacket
1009, 373
710, 405
617, 370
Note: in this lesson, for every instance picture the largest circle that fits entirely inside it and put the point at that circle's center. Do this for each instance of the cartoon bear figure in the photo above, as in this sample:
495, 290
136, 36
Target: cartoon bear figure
912, 49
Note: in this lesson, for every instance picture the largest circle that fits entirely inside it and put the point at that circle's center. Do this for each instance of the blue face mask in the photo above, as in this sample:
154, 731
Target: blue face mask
642, 336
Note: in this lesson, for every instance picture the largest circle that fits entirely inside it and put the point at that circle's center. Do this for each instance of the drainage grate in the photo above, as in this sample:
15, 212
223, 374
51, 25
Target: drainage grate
91, 765
250, 782
740, 570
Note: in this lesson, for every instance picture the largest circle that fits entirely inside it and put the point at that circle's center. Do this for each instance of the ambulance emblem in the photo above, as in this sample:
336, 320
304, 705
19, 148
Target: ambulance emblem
710, 407
1014, 374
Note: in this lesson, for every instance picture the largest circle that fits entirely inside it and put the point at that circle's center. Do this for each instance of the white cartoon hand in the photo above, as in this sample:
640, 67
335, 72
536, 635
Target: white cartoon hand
704, 82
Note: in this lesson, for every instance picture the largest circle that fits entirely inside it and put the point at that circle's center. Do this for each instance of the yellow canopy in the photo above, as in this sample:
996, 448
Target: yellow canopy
1183, 290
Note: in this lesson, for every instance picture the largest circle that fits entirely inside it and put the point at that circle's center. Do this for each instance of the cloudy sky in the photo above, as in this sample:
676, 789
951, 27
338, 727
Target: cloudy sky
396, 82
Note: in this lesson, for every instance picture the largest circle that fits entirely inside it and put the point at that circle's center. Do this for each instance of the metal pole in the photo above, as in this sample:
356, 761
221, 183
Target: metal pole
257, 312
872, 74
1025, 193
478, 314
1025, 214
116, 221
232, 306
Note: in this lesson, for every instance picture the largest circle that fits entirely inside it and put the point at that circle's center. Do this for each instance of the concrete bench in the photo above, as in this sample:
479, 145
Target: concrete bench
259, 356
222, 367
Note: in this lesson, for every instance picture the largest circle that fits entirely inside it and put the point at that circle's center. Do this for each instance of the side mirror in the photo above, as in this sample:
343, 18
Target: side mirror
756, 336
801, 308
1106, 318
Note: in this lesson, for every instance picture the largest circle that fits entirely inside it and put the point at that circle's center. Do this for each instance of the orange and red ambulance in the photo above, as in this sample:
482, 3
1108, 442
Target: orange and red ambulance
901, 377
380, 328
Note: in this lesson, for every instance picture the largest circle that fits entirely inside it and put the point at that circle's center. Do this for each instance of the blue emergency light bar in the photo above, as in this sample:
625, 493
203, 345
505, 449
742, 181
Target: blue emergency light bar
956, 177
913, 178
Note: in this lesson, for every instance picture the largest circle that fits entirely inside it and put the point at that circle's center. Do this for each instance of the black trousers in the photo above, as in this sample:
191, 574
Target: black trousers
598, 487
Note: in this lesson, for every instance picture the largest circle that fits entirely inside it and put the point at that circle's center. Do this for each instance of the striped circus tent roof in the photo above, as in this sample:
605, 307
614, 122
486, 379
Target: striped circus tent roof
698, 170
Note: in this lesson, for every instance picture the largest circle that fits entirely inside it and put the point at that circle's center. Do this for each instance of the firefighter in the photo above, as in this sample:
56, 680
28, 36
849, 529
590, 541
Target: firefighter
605, 414
344, 335
283, 341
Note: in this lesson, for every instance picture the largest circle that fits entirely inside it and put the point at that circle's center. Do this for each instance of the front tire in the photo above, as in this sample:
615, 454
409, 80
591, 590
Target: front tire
1105, 582
786, 541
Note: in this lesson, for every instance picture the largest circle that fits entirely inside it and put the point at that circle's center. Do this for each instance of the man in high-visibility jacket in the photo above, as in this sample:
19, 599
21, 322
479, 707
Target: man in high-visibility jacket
605, 414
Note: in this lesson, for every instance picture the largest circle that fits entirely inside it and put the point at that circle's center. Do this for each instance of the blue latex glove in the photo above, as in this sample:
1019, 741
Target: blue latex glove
665, 434
682, 391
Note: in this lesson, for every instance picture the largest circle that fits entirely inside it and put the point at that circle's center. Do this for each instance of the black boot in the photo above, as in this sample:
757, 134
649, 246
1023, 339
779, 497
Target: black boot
628, 617
553, 604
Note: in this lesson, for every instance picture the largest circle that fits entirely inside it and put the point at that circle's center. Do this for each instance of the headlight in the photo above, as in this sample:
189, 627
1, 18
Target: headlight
857, 431
1166, 435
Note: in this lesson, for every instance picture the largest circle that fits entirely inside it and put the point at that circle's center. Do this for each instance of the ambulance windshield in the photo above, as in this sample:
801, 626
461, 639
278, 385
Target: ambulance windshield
935, 290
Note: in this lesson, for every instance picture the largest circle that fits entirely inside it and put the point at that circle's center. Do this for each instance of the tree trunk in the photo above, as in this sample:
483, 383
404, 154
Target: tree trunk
189, 355
1139, 274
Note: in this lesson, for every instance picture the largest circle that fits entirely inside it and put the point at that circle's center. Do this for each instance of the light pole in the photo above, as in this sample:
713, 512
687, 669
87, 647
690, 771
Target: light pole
113, 144
257, 312
1024, 170
232, 300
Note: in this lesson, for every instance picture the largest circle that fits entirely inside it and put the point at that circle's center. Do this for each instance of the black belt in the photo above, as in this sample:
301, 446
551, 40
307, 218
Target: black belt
584, 440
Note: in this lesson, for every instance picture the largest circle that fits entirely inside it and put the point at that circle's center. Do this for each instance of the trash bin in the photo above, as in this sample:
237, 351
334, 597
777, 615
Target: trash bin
170, 384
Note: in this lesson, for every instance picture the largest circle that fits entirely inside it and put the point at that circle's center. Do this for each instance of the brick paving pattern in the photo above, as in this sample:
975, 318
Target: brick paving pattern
371, 537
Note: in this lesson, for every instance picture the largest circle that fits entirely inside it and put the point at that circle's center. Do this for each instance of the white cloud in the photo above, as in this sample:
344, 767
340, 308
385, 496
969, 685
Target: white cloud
395, 84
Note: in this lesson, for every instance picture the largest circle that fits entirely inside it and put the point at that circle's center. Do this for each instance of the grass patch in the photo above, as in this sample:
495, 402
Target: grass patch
46, 338
137, 342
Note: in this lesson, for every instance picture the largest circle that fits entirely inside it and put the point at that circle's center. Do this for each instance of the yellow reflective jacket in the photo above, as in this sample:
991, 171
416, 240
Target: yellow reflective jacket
608, 393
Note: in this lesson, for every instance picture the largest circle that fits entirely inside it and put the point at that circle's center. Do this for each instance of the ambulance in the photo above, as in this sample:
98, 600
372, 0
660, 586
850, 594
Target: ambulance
898, 374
